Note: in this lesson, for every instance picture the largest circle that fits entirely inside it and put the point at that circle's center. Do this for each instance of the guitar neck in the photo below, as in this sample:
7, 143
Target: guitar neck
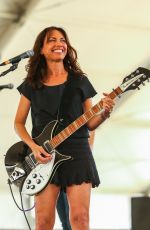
82, 120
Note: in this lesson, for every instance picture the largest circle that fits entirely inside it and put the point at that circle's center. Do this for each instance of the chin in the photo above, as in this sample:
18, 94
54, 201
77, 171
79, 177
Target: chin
59, 60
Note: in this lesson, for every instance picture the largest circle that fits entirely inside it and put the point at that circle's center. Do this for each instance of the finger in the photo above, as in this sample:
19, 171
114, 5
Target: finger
42, 156
105, 94
107, 97
42, 159
107, 109
46, 154
109, 102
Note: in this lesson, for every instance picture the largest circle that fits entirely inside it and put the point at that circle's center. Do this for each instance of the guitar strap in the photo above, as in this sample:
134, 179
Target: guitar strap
65, 99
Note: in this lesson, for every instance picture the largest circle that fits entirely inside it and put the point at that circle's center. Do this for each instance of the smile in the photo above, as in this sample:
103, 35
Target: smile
58, 51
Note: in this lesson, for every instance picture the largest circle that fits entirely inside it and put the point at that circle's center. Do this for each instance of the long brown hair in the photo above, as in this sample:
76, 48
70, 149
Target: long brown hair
37, 68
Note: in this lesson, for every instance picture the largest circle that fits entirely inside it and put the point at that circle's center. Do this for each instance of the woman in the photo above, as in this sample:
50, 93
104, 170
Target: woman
57, 89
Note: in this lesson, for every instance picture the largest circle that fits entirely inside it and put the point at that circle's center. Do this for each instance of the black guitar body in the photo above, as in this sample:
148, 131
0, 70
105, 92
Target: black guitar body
20, 162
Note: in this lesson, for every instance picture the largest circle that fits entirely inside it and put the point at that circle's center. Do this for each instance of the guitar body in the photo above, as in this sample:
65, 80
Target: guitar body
22, 168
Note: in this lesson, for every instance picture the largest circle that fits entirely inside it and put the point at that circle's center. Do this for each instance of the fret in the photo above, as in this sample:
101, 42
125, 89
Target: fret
79, 121
81, 118
75, 125
67, 131
72, 128
60, 136
57, 140
92, 112
84, 117
64, 133
89, 114
53, 142
115, 93
97, 108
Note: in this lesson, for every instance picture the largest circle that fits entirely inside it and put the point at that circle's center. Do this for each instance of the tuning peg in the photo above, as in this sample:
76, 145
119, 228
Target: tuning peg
144, 76
143, 83
138, 88
137, 71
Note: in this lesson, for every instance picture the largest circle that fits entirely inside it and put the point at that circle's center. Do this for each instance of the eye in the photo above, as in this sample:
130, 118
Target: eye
51, 39
63, 40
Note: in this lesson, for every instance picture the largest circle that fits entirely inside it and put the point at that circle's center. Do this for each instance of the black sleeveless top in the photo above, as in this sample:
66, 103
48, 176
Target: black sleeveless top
60, 102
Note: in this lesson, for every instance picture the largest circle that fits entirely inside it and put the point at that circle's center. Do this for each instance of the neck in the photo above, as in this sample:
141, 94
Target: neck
55, 69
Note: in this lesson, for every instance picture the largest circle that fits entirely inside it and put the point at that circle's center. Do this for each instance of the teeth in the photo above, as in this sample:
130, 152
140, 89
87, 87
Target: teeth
57, 51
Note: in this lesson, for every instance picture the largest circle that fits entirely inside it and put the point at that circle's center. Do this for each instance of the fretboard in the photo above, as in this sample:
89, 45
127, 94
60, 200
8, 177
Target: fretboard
82, 120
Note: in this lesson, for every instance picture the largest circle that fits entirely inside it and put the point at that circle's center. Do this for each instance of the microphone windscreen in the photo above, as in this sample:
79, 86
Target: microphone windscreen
10, 86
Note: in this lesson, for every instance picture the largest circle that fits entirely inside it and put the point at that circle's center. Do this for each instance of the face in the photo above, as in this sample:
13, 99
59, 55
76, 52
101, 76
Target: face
54, 48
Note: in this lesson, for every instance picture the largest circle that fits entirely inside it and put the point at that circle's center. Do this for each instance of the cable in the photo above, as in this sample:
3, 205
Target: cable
24, 212
22, 208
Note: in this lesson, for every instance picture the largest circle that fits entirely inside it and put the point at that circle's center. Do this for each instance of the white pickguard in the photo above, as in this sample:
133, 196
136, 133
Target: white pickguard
38, 177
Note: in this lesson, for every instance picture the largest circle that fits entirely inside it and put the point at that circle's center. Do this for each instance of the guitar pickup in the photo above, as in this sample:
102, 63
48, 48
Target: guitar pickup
47, 146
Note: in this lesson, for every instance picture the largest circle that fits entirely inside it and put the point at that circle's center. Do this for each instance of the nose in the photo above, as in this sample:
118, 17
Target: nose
59, 41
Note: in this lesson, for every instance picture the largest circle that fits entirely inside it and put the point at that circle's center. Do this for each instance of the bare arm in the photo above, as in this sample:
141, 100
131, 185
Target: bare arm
19, 124
94, 122
91, 138
20, 120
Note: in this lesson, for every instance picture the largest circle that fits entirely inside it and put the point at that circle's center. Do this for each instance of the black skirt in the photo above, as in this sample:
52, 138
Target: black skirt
81, 169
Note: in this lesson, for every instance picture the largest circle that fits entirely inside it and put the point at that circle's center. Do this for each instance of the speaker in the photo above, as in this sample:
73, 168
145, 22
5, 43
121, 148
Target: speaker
140, 213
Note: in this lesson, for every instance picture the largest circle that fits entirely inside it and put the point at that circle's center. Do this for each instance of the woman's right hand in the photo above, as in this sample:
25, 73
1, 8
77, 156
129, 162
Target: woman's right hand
40, 154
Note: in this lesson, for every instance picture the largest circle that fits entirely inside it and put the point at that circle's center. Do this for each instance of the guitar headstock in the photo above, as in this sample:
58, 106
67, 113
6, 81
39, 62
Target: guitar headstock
135, 79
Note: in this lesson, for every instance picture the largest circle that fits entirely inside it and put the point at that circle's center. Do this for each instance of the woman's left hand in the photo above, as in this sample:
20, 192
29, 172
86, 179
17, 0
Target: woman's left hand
107, 104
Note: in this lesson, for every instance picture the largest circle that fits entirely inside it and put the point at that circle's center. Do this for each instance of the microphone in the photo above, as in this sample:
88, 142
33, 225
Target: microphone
8, 86
18, 58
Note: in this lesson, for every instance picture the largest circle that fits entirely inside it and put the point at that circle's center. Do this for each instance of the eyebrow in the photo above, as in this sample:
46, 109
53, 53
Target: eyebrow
55, 37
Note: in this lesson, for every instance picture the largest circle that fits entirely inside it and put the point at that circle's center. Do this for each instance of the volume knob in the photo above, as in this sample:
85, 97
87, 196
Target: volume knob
34, 175
38, 181
28, 181
32, 186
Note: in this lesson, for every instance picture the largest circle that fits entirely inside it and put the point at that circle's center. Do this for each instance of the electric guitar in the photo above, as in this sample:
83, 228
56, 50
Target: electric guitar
32, 177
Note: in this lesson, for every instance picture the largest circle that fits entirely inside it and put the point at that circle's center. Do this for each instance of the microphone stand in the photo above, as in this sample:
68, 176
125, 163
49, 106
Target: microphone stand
12, 68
